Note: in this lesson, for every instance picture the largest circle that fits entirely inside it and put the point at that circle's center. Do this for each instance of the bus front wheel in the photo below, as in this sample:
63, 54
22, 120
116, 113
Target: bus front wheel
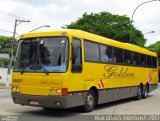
89, 101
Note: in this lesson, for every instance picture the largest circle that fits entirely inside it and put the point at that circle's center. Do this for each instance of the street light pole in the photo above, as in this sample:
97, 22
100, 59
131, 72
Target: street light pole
149, 32
131, 28
39, 27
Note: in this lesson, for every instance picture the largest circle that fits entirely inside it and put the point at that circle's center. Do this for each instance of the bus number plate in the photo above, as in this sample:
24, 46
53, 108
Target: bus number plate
33, 102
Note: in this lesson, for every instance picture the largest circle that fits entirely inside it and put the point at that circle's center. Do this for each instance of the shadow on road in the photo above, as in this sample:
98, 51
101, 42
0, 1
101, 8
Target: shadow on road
119, 102
62, 113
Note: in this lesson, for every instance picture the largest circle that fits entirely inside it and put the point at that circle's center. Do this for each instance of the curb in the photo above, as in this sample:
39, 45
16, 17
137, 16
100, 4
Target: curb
5, 87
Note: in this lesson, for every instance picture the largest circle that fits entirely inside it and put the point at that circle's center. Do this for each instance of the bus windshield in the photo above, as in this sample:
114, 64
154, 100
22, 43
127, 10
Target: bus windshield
45, 54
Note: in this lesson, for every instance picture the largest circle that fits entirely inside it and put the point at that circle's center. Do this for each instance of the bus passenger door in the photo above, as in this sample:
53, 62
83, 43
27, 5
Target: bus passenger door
76, 77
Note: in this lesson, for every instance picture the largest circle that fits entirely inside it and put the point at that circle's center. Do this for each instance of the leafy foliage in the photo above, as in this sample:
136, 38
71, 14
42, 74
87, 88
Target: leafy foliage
156, 48
108, 25
5, 44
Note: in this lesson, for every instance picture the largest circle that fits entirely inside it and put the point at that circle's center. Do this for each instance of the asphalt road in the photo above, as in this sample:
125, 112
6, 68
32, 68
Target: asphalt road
149, 106
5, 94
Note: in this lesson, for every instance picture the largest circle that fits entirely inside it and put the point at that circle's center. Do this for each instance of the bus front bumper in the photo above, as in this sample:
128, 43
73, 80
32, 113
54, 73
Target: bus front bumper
61, 102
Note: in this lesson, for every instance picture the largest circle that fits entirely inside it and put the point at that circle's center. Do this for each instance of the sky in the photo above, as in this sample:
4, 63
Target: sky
58, 13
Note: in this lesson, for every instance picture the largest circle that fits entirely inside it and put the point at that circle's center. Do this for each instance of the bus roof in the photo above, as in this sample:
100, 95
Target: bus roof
89, 36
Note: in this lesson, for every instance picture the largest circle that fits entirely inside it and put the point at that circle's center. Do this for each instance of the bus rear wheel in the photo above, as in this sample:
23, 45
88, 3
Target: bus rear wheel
145, 93
139, 93
90, 101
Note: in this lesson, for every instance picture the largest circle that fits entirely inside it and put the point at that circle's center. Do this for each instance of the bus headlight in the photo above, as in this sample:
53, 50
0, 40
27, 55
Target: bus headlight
52, 92
15, 89
55, 92
58, 91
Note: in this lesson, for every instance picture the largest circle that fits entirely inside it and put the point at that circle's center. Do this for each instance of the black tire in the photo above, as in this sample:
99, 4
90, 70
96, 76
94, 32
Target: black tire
139, 93
145, 93
44, 108
90, 101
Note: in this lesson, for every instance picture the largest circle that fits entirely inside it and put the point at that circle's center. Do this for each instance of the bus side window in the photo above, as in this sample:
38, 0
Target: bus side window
103, 53
76, 55
109, 52
142, 60
118, 55
91, 51
154, 61
136, 59
149, 61
106, 54
127, 57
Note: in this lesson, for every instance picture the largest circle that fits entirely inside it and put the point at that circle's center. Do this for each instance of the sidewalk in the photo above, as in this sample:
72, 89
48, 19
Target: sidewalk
4, 87
4, 81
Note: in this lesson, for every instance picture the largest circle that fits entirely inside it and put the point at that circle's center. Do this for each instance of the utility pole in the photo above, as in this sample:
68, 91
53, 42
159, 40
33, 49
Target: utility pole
17, 22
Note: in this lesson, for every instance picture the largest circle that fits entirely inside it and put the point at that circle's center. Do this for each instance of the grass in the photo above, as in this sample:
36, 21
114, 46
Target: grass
2, 85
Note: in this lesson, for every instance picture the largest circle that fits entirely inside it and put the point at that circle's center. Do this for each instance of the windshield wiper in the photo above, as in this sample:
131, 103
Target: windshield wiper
35, 67
23, 70
47, 72
38, 67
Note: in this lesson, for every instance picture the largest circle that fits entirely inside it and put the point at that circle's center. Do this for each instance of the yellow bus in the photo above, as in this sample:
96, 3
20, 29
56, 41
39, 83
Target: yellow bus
68, 68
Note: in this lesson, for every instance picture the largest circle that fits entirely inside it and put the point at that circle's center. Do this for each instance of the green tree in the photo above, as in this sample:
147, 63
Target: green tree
5, 44
108, 25
156, 48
